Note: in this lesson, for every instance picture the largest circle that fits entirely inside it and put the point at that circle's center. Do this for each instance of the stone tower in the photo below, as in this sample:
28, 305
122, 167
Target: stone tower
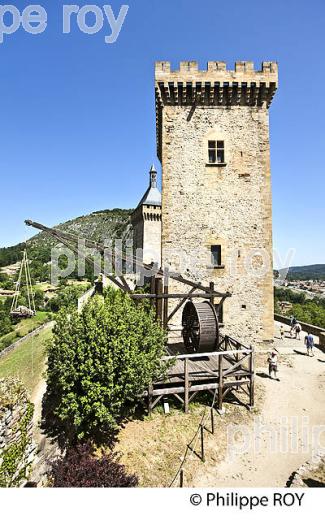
213, 144
146, 222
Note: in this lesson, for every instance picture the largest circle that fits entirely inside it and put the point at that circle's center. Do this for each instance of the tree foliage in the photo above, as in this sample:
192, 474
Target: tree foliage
100, 362
81, 468
5, 321
304, 309
67, 297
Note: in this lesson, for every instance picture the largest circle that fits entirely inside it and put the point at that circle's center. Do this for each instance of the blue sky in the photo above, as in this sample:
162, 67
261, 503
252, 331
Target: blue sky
78, 120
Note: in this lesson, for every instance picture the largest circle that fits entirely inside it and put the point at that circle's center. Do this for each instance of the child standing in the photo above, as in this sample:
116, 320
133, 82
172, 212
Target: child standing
273, 365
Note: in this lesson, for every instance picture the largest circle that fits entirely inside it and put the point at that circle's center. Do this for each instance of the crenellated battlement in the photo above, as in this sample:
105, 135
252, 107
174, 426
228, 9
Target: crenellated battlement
164, 67
216, 85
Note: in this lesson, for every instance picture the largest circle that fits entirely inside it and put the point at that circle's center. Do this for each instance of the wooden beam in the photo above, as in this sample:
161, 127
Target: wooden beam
206, 354
125, 284
179, 305
159, 296
165, 301
172, 296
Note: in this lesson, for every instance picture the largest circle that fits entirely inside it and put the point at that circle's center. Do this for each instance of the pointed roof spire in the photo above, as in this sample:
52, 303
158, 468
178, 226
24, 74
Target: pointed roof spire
153, 177
152, 196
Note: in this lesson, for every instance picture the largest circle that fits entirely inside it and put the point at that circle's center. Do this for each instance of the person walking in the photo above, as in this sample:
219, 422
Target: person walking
293, 323
298, 330
282, 332
309, 342
273, 364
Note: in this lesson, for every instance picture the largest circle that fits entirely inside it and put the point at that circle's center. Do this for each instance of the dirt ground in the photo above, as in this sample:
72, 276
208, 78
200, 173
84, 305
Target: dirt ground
287, 432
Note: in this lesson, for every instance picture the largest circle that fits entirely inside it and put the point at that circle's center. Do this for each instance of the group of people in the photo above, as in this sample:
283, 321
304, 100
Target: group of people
295, 328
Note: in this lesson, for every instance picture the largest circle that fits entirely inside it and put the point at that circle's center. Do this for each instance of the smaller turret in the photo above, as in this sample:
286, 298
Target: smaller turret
146, 222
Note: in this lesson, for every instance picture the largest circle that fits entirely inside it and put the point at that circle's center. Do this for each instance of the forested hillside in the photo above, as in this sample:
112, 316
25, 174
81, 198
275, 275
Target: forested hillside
100, 225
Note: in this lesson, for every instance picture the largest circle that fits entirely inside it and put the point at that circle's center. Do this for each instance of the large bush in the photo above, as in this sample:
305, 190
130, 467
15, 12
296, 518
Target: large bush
100, 362
81, 468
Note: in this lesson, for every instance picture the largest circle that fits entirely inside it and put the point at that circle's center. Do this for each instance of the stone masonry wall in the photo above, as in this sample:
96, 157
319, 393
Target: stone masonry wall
16, 445
204, 205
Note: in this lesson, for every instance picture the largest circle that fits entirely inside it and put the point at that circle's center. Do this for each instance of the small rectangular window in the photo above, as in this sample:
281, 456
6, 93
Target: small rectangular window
216, 255
216, 152
212, 152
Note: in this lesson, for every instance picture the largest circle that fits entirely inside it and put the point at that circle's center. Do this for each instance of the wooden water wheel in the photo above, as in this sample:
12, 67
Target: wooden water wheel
200, 326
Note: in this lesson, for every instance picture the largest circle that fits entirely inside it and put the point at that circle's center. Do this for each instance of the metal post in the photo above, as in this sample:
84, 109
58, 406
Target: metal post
150, 390
212, 421
220, 390
186, 393
181, 478
202, 443
252, 377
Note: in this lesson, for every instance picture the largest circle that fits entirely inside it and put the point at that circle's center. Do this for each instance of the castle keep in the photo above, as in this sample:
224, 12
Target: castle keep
213, 144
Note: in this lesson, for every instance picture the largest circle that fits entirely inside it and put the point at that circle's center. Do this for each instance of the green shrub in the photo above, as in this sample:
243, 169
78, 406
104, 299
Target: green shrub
100, 362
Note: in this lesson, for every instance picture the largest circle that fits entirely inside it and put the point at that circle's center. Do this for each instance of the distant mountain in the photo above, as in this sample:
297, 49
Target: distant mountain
305, 272
98, 226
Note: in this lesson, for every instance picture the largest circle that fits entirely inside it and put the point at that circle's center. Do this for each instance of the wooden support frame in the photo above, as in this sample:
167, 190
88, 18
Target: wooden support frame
218, 382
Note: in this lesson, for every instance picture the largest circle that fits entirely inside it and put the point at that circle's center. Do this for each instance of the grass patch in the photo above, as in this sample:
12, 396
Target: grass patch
27, 361
22, 328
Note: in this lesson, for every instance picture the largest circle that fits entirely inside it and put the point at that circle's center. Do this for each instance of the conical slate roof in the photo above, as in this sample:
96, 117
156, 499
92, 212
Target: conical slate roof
152, 196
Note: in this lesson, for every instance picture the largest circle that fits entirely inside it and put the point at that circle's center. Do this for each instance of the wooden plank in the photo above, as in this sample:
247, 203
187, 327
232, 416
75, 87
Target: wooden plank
208, 355
194, 388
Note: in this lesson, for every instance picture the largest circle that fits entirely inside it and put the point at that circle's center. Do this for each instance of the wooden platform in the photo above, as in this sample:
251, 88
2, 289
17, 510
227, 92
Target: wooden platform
229, 368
